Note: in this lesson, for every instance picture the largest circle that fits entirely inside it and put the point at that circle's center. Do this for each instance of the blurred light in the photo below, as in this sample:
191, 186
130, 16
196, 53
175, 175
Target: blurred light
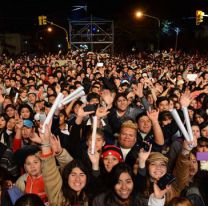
98, 30
41, 37
49, 29
59, 45
139, 14
94, 29
26, 42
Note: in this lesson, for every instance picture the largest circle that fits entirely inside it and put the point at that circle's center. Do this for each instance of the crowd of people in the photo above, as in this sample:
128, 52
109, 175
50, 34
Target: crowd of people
138, 142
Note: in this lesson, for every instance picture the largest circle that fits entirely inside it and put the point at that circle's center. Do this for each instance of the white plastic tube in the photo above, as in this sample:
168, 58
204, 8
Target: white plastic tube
75, 92
94, 131
180, 124
76, 96
56, 103
188, 124
16, 97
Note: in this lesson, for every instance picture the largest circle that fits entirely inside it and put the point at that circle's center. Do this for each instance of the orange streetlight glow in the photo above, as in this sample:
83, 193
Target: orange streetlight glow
49, 29
139, 14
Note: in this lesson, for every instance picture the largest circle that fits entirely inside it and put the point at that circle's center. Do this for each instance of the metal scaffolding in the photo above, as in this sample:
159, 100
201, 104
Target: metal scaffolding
93, 33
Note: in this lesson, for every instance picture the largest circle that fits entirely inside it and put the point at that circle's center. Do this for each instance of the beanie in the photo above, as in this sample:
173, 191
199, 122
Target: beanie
112, 150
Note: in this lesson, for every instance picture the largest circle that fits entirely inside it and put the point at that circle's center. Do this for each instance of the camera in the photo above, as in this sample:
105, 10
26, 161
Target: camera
143, 145
90, 107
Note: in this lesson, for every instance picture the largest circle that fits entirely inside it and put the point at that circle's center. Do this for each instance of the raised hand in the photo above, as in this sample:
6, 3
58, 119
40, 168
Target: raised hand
186, 99
158, 193
58, 88
42, 138
143, 156
81, 113
189, 145
101, 112
139, 90
34, 137
153, 115
56, 144
94, 158
107, 97
18, 122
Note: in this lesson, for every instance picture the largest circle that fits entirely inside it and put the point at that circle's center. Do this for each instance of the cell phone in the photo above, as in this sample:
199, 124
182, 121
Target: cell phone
90, 107
165, 180
99, 64
192, 77
143, 145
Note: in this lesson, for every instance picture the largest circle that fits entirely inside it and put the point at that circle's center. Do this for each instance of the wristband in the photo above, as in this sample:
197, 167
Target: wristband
46, 145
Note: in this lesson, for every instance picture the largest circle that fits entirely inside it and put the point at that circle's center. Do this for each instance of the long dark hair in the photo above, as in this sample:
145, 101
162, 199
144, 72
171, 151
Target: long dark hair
68, 192
201, 181
29, 200
111, 197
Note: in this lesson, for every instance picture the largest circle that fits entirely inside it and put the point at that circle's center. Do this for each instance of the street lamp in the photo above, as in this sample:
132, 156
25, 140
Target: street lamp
49, 29
140, 14
66, 32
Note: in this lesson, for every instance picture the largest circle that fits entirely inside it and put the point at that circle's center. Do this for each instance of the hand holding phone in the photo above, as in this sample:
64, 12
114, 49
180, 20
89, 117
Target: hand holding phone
165, 180
90, 107
99, 64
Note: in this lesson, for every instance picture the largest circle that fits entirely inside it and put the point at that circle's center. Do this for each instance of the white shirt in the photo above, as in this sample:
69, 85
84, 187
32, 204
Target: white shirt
125, 152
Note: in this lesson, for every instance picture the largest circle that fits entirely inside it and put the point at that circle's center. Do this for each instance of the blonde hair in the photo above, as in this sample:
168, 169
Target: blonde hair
129, 124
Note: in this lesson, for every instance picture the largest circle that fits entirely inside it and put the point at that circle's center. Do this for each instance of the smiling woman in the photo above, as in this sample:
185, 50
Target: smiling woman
121, 188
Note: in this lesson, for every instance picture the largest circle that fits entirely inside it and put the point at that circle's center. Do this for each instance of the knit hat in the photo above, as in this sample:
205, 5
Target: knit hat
154, 156
112, 150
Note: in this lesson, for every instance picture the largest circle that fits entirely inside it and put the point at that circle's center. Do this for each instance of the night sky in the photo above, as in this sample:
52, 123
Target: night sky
25, 12
21, 16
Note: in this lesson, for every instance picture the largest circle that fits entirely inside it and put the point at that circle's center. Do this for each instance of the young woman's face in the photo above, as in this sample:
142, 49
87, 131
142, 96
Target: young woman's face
193, 167
109, 162
25, 113
199, 119
195, 131
11, 124
2, 122
10, 112
124, 187
204, 132
33, 166
61, 119
23, 94
157, 169
77, 180
191, 113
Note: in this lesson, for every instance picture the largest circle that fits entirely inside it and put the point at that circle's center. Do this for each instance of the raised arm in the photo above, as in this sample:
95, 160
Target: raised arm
158, 134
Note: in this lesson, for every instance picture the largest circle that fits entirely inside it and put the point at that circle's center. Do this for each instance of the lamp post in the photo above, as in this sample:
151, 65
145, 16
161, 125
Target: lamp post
140, 14
66, 33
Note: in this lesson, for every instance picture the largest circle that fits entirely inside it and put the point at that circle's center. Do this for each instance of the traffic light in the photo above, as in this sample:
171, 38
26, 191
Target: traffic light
199, 17
42, 20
